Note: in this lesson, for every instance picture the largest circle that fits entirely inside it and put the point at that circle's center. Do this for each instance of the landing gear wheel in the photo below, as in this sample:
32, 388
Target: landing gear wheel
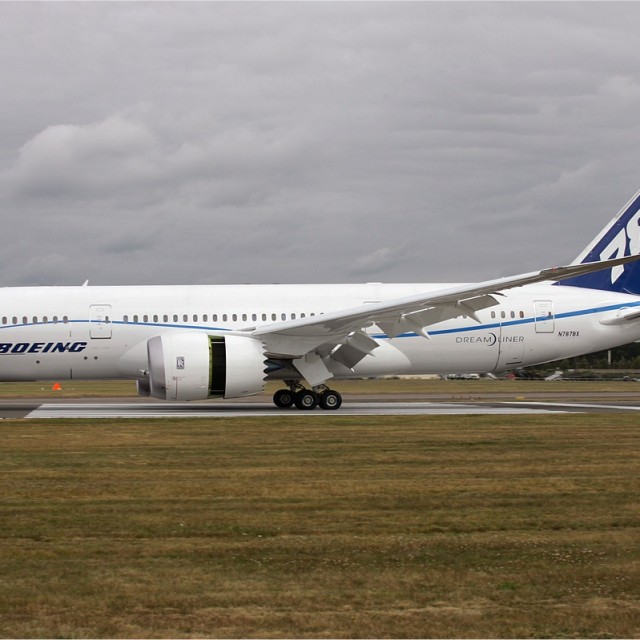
330, 400
283, 398
306, 400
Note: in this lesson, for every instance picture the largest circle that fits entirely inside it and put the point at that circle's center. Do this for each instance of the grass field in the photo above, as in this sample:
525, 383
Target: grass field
450, 389
476, 526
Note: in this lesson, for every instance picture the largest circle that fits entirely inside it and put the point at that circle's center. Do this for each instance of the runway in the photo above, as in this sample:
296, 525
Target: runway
133, 409
239, 409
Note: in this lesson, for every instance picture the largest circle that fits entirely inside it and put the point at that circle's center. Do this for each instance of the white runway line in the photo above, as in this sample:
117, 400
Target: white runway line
229, 410
568, 405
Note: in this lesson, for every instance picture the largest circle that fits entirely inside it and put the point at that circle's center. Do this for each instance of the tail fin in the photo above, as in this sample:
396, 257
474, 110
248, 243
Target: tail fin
621, 237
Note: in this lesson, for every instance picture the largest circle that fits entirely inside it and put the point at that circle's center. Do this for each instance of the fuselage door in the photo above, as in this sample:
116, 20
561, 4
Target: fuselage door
511, 344
99, 321
545, 318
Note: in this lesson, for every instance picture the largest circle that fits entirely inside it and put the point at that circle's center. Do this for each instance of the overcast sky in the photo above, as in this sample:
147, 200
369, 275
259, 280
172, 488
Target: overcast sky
311, 142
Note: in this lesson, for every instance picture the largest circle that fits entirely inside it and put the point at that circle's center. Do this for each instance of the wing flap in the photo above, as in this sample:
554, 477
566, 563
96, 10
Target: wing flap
313, 368
348, 356
356, 346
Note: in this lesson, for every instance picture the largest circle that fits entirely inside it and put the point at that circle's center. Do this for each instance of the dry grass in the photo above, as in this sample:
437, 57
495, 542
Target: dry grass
340, 527
387, 388
69, 389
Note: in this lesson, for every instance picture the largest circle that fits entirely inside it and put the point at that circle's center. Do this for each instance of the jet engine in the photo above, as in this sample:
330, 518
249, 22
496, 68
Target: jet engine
196, 366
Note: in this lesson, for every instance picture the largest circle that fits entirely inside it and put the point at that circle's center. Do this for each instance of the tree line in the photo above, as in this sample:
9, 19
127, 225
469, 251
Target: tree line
625, 357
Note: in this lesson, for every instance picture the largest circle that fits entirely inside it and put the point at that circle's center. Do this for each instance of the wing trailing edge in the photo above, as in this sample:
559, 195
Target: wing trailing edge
346, 328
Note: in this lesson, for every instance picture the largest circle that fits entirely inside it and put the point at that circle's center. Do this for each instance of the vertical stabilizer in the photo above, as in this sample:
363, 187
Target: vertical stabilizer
621, 237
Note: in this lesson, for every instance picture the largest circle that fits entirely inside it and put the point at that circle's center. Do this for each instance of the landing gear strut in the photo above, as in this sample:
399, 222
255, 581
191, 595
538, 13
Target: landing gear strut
307, 399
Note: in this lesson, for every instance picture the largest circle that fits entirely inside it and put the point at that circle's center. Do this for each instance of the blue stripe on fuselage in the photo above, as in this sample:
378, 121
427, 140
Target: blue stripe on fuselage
380, 336
519, 321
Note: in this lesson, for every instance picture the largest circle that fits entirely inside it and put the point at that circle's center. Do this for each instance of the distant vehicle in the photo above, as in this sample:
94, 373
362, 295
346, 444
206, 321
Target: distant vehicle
463, 376
198, 342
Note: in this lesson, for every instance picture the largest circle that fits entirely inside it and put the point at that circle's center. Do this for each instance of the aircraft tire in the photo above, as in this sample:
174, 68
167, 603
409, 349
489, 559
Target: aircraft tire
283, 398
306, 400
330, 400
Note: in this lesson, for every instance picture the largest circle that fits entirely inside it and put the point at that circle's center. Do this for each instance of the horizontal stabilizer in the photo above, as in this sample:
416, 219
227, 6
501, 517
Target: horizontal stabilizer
623, 316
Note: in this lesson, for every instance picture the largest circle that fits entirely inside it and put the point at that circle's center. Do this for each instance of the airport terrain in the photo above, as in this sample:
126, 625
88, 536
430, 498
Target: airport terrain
410, 526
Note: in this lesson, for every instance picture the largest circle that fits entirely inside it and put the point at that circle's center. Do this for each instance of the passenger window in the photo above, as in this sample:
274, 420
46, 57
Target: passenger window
55, 319
195, 317
125, 318
503, 314
264, 317
204, 317
145, 318
185, 318
244, 317
135, 318
493, 314
234, 317
522, 314
15, 320
513, 314
4, 320
65, 319
273, 316
165, 318
254, 317
214, 317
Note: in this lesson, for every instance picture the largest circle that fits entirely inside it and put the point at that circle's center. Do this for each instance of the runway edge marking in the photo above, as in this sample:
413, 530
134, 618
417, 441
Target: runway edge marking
124, 410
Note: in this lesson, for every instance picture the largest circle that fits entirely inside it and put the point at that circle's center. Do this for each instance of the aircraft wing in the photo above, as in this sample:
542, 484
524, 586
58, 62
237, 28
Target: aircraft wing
318, 336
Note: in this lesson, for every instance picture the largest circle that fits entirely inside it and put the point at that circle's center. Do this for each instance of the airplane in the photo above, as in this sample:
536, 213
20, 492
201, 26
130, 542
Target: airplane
196, 342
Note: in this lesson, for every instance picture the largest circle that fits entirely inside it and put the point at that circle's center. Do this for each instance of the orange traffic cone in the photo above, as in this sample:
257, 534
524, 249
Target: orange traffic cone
56, 387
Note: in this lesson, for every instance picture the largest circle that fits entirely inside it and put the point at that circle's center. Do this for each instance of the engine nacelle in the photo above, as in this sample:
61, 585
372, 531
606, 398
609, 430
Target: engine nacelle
196, 366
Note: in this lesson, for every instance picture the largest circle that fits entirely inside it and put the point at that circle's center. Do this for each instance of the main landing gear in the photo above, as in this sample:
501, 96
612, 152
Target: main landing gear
307, 399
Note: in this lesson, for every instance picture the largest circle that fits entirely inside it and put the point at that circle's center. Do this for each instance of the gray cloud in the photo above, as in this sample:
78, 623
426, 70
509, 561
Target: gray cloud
288, 142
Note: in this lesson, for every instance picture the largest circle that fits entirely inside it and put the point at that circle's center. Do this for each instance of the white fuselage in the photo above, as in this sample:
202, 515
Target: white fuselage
102, 332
